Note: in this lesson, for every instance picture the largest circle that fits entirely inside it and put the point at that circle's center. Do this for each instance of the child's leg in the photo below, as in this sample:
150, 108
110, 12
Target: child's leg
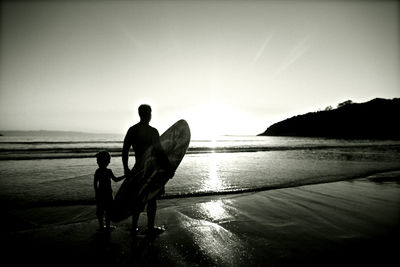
100, 214
107, 215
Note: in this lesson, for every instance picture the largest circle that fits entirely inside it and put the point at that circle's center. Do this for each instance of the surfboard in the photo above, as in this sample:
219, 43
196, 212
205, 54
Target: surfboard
149, 177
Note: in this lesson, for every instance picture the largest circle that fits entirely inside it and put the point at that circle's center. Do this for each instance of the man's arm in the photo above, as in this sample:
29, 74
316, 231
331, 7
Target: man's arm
125, 152
95, 183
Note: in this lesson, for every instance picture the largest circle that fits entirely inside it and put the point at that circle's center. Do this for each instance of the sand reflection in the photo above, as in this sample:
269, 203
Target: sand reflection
215, 210
219, 244
211, 236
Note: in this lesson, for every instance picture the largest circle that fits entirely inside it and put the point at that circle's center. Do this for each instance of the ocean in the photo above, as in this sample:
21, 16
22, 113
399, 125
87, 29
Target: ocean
57, 170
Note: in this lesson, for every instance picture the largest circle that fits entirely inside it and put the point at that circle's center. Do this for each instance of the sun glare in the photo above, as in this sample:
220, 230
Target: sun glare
211, 120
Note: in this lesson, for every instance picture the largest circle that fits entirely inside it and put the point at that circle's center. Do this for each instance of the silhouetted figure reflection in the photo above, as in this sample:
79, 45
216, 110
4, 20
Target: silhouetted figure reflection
140, 137
102, 188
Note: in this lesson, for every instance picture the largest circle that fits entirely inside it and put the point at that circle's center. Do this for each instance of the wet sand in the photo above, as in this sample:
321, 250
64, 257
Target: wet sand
347, 223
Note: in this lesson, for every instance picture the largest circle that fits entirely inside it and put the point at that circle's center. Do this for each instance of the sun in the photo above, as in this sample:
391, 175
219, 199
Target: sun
208, 121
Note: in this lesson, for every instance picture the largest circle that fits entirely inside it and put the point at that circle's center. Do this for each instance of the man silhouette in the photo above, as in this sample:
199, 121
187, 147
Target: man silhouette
140, 137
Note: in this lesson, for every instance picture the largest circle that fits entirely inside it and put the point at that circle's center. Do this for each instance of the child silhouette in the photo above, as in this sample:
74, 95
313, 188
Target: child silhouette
102, 188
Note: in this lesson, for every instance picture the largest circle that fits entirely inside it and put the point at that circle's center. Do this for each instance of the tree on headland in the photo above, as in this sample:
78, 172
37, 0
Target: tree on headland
345, 103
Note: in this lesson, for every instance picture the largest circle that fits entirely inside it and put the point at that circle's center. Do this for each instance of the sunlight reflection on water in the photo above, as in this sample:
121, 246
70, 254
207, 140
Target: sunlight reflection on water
213, 182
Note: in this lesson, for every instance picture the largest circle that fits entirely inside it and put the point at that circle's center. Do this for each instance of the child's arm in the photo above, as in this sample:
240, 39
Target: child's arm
116, 179
125, 151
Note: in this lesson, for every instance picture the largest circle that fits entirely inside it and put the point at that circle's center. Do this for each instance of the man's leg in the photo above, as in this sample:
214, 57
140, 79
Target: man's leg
100, 219
135, 218
151, 213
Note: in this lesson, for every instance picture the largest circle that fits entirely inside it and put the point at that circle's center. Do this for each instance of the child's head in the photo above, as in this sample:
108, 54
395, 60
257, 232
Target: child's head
103, 158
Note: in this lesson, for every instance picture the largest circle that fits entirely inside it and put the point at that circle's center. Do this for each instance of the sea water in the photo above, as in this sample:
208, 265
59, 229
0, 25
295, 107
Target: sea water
58, 170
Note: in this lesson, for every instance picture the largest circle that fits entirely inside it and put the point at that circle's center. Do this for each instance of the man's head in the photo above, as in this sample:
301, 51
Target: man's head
145, 113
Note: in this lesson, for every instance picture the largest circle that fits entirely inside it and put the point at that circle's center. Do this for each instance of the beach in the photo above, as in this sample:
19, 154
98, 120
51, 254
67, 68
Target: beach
234, 201
353, 222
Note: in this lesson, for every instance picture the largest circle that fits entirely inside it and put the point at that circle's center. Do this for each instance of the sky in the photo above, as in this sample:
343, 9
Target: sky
227, 67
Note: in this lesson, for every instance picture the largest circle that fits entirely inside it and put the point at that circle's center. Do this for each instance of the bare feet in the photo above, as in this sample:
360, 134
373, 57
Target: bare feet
156, 230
